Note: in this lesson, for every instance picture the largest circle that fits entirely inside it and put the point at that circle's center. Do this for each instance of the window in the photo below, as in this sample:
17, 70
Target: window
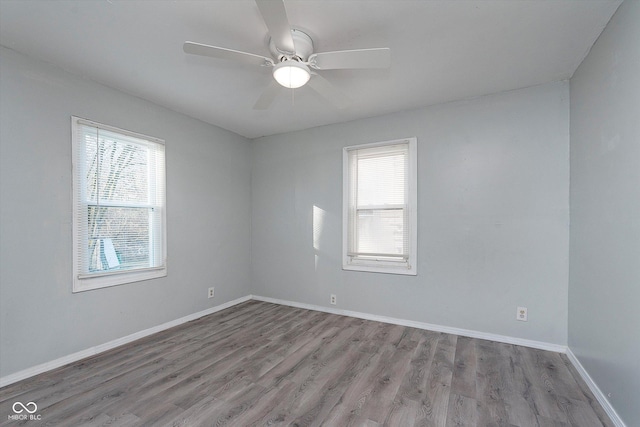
379, 207
119, 232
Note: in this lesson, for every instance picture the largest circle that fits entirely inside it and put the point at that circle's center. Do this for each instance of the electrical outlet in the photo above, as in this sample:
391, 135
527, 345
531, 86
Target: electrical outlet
211, 293
522, 314
332, 300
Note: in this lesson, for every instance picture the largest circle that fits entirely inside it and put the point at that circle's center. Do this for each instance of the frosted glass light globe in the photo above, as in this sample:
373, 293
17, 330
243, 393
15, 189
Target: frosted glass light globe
291, 74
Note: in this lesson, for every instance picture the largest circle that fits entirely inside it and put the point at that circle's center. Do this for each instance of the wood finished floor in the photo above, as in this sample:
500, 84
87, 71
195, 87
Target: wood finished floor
264, 364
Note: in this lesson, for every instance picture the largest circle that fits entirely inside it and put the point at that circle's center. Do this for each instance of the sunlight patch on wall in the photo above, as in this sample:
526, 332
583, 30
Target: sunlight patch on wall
318, 218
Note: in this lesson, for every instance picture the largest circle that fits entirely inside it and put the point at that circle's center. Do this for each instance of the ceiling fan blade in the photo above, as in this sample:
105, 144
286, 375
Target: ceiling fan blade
357, 58
328, 91
267, 96
224, 53
275, 17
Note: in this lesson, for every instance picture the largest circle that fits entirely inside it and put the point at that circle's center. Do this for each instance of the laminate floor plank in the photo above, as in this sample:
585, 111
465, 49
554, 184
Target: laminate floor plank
463, 382
580, 413
389, 381
548, 422
242, 403
437, 384
333, 346
548, 371
350, 410
426, 401
412, 385
200, 413
260, 412
462, 411
490, 391
385, 383
302, 361
566, 400
541, 401
407, 412
262, 364
518, 389
373, 389
282, 346
322, 399
324, 394
588, 396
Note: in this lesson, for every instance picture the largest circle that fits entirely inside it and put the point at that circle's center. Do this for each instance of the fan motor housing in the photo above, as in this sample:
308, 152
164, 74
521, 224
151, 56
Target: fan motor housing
303, 44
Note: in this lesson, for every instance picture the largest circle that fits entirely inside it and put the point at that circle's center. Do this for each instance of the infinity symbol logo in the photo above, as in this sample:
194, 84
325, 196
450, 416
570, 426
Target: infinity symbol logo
22, 407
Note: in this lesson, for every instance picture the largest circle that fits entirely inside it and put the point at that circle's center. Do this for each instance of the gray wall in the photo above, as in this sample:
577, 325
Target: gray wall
493, 225
604, 287
208, 192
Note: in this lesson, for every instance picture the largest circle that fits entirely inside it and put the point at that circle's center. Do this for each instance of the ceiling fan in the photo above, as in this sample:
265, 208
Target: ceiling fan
294, 61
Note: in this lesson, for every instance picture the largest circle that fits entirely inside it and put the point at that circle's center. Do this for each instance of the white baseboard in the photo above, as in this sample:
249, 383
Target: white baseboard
53, 364
606, 405
421, 325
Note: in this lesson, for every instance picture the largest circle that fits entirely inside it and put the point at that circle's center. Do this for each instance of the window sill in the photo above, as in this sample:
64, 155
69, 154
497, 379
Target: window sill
400, 269
116, 278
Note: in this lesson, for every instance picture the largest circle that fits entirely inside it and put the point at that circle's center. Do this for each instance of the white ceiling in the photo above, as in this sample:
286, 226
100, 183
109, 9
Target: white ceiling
442, 50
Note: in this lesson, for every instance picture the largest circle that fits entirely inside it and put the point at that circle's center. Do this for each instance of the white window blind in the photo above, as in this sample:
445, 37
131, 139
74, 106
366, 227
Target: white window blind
119, 206
379, 201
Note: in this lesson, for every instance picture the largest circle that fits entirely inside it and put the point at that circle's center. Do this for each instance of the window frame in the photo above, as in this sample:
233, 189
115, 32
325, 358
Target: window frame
83, 281
372, 264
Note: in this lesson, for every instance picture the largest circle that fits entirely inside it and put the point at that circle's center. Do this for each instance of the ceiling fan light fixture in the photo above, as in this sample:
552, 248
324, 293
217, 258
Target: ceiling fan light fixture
291, 74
